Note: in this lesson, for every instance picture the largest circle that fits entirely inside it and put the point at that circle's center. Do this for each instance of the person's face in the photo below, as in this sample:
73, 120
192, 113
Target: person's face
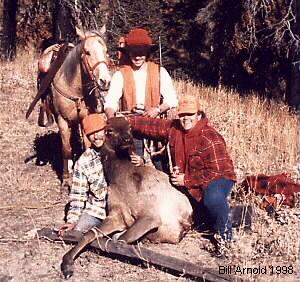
188, 121
137, 59
97, 138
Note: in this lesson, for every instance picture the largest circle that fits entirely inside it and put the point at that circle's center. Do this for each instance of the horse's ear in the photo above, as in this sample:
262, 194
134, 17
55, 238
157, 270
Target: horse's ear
103, 29
80, 33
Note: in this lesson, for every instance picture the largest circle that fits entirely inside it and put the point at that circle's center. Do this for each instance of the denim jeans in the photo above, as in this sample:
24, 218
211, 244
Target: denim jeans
86, 222
139, 147
215, 201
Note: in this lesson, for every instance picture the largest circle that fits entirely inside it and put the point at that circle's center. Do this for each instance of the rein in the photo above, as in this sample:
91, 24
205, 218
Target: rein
75, 99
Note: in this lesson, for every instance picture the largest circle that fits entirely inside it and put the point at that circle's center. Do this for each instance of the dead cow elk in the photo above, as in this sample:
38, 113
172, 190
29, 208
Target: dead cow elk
140, 199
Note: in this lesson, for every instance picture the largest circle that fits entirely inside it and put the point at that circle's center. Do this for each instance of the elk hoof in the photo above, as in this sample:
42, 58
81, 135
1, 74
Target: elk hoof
67, 270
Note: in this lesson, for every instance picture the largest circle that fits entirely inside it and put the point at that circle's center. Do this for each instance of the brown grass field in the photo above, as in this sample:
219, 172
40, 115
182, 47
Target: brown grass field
262, 137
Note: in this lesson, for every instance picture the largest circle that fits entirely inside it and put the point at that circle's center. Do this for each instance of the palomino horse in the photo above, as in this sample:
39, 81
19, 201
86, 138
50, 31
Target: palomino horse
82, 77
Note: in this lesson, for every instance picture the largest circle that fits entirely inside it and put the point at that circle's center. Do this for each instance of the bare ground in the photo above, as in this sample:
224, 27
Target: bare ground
30, 198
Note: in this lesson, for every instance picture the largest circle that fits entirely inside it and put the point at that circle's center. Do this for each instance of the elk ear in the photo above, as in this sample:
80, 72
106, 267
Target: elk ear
103, 29
80, 33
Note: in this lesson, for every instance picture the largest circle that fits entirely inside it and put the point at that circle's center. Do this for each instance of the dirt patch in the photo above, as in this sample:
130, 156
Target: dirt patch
31, 199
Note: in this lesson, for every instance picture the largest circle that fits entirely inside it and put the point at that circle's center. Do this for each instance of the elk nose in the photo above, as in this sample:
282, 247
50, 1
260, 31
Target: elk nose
127, 138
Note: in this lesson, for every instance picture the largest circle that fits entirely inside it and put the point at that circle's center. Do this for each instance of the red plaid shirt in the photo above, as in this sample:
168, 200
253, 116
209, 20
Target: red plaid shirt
200, 152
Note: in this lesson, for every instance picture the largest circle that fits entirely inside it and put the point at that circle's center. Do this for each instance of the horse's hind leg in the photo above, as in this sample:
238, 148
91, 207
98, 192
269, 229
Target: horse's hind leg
50, 119
65, 133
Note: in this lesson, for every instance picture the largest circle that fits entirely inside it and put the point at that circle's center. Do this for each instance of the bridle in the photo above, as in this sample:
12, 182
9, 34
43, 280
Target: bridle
89, 70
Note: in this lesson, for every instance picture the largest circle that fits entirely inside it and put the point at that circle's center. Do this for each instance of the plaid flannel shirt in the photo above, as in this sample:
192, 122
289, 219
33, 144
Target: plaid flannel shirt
200, 153
89, 188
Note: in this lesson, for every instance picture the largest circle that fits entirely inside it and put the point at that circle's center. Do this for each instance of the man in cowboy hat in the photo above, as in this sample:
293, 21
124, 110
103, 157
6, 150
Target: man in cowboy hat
89, 189
139, 83
203, 166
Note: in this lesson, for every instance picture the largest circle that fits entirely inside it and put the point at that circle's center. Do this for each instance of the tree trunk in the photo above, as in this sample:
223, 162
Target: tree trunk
8, 36
64, 20
293, 89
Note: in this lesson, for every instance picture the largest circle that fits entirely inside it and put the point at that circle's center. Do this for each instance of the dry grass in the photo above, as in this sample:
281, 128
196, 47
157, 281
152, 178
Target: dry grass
262, 137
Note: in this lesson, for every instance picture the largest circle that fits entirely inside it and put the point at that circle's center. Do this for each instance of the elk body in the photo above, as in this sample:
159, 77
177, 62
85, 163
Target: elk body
141, 200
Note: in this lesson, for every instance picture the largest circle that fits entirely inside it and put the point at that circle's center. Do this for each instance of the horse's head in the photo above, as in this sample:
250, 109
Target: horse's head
94, 56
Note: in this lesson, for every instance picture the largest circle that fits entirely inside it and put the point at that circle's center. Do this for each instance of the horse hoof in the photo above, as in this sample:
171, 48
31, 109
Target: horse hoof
64, 189
65, 186
39, 162
67, 270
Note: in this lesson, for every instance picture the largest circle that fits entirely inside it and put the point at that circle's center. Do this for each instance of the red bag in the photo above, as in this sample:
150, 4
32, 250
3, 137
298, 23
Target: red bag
276, 189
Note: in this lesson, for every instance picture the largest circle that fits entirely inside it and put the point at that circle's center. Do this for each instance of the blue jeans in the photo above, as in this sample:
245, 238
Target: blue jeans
215, 201
86, 222
139, 148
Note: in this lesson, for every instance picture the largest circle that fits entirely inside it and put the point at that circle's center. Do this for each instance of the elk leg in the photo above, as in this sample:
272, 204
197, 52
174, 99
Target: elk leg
109, 225
140, 227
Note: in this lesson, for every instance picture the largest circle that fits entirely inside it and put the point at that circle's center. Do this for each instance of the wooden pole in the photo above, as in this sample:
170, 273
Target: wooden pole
182, 267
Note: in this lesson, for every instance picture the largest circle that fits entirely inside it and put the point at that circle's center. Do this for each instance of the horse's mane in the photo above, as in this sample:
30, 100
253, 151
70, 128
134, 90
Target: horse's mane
96, 32
73, 58
71, 62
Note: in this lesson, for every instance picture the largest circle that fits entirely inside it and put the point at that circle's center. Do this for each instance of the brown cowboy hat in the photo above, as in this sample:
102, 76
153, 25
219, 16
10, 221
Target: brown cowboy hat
138, 41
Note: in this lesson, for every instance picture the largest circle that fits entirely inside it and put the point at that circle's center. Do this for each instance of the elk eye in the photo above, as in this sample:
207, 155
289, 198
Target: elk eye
109, 132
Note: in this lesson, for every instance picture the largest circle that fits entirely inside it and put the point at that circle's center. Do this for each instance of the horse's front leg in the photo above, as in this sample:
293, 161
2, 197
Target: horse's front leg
65, 133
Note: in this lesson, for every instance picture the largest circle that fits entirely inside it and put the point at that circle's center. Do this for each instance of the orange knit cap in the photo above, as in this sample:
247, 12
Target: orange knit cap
188, 104
93, 123
138, 36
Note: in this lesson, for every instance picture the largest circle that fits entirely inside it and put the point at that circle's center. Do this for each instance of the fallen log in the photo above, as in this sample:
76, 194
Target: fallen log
182, 267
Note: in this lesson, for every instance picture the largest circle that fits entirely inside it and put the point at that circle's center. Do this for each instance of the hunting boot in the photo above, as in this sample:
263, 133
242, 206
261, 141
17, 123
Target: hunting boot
222, 246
